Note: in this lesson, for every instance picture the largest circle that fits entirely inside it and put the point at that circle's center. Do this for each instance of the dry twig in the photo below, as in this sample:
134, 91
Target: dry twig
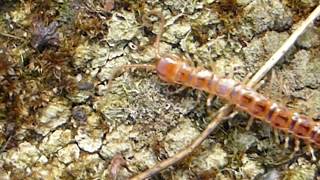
227, 109
11, 36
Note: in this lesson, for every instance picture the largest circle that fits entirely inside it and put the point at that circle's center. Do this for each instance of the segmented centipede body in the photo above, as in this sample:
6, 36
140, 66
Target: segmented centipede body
173, 70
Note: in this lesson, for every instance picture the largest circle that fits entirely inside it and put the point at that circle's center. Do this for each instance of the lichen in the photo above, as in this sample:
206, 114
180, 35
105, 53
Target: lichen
23, 157
69, 154
55, 141
54, 115
303, 171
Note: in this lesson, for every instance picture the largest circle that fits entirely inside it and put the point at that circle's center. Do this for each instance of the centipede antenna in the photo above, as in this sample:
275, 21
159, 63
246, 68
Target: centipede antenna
162, 21
127, 67
157, 43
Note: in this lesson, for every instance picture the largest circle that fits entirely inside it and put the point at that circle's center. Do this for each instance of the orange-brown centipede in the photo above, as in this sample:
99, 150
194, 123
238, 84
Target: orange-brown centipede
173, 69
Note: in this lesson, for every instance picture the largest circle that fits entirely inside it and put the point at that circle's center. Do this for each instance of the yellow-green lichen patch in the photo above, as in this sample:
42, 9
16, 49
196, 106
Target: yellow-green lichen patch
87, 166
51, 170
89, 140
90, 133
69, 154
180, 137
24, 157
250, 168
118, 141
54, 115
300, 171
122, 26
55, 141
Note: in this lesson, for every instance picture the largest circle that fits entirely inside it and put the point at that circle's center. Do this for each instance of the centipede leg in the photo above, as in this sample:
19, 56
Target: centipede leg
311, 151
258, 85
209, 99
296, 145
249, 123
177, 91
188, 60
246, 79
3, 148
230, 116
286, 141
198, 101
276, 135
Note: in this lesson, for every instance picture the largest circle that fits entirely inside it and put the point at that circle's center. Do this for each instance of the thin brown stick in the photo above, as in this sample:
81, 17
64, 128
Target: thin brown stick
11, 36
226, 110
223, 112
284, 48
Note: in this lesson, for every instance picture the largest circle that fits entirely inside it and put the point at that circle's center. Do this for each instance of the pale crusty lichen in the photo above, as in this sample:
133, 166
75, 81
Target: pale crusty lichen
49, 170
260, 16
259, 48
250, 168
122, 26
23, 157
54, 115
90, 55
89, 139
213, 157
179, 137
300, 171
118, 141
309, 39
87, 166
69, 153
55, 141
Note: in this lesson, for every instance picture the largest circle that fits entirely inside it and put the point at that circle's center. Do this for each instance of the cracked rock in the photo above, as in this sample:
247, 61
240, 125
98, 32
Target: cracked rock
54, 115
55, 141
24, 157
69, 154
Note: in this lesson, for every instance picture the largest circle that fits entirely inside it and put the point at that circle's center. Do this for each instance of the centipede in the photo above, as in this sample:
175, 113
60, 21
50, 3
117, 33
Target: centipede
174, 69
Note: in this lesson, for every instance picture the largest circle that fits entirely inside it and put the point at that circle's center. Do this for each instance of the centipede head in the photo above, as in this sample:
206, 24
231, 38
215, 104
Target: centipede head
167, 67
